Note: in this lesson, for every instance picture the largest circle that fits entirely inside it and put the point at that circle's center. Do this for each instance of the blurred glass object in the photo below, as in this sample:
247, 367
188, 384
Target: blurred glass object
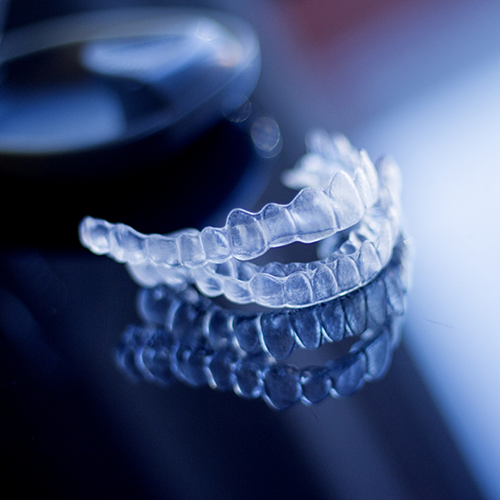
101, 79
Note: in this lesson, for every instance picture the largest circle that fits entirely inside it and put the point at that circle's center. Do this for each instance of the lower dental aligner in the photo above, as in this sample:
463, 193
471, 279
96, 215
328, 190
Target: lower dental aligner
362, 254
189, 338
278, 333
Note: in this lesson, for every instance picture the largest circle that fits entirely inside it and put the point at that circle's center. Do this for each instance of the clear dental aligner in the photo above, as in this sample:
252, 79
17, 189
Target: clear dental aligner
155, 355
277, 333
314, 214
362, 254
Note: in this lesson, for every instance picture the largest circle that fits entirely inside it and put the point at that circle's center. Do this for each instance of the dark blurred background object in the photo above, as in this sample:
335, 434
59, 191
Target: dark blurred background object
73, 426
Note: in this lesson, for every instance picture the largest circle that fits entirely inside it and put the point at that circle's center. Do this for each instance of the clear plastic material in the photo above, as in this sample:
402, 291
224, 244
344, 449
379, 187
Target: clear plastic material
356, 216
355, 261
189, 338
314, 214
279, 333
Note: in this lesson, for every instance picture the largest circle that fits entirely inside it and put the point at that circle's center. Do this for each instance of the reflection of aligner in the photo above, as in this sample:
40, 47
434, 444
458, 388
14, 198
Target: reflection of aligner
353, 264
152, 354
196, 341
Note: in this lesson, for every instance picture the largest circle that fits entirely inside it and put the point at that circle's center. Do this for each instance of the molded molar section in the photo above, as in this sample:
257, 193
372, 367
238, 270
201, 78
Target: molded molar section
282, 386
348, 374
144, 274
217, 328
247, 333
94, 234
248, 377
219, 370
316, 384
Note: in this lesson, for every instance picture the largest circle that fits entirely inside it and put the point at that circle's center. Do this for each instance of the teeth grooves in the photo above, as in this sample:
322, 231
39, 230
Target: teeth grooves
343, 190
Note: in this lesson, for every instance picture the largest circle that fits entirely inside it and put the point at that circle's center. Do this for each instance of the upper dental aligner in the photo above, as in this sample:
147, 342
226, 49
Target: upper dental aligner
318, 211
277, 333
362, 255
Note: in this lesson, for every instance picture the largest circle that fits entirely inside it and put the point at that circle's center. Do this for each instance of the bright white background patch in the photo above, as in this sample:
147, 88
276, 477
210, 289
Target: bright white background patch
448, 145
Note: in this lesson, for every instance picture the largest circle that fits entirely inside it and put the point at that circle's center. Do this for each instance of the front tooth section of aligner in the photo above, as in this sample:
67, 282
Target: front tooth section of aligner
324, 284
346, 274
368, 261
364, 189
246, 235
313, 214
126, 244
371, 174
94, 234
298, 290
346, 202
384, 243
